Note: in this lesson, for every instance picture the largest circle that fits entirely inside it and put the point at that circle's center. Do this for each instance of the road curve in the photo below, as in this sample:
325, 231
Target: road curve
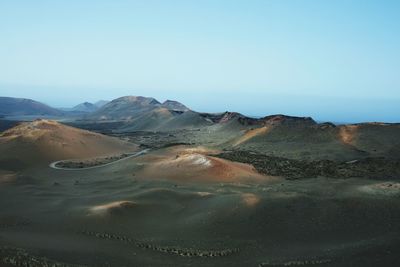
53, 164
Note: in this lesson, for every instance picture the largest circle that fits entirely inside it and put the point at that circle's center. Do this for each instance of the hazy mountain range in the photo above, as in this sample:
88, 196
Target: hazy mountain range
288, 136
10, 106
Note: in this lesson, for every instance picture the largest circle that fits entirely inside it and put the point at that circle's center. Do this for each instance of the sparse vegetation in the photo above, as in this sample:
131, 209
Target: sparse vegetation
73, 164
20, 257
372, 168
179, 251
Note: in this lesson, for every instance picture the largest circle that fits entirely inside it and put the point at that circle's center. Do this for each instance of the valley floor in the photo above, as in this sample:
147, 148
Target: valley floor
145, 211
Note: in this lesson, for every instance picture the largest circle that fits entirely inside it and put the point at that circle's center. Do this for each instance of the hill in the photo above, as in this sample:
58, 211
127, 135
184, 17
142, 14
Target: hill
10, 106
42, 141
85, 107
162, 119
274, 135
125, 108
138, 113
304, 139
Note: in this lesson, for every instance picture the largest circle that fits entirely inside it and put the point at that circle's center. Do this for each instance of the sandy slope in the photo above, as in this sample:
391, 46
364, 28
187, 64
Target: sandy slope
42, 141
194, 164
251, 134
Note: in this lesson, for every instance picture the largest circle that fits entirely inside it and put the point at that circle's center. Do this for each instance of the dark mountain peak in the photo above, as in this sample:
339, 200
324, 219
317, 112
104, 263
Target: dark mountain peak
85, 107
85, 104
221, 117
326, 125
228, 116
284, 119
125, 108
174, 105
154, 102
171, 102
137, 100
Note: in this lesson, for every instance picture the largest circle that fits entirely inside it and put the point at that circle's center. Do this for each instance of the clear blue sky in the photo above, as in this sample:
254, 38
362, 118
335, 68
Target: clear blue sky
332, 60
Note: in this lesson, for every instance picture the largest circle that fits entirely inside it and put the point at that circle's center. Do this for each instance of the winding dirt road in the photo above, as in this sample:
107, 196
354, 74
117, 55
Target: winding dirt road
131, 155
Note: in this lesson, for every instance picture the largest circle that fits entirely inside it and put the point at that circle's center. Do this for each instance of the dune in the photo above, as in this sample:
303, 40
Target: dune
43, 141
193, 164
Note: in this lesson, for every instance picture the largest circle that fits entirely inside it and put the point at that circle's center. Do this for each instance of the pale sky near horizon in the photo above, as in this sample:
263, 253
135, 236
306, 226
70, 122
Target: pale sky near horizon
332, 60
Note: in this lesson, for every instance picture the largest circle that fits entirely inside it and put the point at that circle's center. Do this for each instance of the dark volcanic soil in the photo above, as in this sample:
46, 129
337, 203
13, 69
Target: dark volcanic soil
115, 215
371, 168
111, 217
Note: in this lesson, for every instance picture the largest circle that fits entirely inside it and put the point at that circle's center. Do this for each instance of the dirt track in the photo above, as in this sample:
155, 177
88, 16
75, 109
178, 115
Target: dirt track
131, 155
